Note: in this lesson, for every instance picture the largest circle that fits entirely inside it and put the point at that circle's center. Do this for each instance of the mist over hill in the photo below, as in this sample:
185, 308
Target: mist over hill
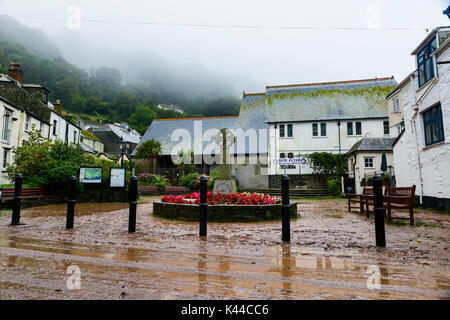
112, 85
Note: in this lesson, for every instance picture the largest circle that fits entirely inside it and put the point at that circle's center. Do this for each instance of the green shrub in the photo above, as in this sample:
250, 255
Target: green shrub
334, 186
148, 179
190, 180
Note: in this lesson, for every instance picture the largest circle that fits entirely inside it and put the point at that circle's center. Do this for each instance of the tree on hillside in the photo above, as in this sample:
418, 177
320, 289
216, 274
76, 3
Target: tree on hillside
149, 150
142, 118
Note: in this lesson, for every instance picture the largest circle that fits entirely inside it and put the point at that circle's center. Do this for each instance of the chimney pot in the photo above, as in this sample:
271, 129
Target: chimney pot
15, 72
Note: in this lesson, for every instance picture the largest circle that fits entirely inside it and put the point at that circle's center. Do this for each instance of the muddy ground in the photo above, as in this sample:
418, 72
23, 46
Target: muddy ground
332, 255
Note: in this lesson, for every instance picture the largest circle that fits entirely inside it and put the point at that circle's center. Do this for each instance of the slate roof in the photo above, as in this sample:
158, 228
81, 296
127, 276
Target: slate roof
128, 135
251, 116
14, 92
372, 144
356, 99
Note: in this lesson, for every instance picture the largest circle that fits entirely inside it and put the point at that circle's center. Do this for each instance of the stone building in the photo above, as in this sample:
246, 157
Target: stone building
420, 109
112, 134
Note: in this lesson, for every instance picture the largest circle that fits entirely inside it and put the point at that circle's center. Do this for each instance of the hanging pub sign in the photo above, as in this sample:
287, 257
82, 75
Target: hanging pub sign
91, 175
117, 177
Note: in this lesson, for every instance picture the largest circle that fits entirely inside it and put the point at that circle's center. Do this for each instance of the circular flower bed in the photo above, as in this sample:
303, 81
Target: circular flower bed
244, 198
235, 207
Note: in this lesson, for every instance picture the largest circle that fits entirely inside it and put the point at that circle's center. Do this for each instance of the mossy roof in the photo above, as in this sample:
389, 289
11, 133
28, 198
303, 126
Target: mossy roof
358, 99
89, 135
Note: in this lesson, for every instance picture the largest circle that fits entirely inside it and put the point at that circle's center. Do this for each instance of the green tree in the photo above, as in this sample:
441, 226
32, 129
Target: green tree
142, 118
327, 163
42, 162
149, 150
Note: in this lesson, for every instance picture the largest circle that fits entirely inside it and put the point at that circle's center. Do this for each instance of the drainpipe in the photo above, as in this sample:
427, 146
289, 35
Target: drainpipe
339, 135
275, 139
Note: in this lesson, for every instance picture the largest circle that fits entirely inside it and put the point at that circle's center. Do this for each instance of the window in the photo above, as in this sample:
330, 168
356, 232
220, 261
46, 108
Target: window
290, 155
368, 162
349, 128
358, 128
55, 123
27, 122
289, 130
433, 126
41, 128
396, 104
45, 100
323, 129
74, 137
6, 125
5, 159
425, 64
315, 130
282, 155
281, 130
386, 127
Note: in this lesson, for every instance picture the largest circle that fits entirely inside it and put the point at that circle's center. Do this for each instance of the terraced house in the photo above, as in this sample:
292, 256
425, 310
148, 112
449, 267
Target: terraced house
25, 107
420, 118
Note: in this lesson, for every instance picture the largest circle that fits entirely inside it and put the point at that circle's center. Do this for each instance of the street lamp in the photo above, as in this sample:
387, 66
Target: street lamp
122, 149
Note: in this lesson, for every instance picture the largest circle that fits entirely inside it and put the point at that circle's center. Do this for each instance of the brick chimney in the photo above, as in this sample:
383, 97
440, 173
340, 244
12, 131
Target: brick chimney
58, 106
15, 72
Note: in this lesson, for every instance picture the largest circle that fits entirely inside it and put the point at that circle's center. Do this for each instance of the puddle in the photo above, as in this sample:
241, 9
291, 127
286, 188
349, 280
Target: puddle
81, 209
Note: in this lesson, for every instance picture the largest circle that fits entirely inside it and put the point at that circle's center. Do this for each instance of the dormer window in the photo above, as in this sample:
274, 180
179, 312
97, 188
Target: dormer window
425, 63
45, 98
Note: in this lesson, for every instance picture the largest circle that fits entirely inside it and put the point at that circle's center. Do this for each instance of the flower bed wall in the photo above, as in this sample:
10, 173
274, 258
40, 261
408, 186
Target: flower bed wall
222, 213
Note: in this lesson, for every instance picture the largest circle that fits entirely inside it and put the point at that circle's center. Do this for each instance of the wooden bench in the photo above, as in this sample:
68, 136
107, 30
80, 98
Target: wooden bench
400, 198
360, 199
176, 189
29, 193
148, 190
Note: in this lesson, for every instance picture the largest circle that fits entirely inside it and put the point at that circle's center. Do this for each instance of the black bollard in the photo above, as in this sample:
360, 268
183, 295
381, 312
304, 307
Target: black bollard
203, 205
132, 200
285, 206
17, 200
379, 211
71, 202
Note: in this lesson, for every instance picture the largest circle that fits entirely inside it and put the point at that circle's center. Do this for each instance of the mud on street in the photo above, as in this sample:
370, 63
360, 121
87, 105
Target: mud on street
331, 256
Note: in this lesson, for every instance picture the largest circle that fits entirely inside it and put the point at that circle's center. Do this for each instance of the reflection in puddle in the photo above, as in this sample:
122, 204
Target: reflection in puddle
81, 209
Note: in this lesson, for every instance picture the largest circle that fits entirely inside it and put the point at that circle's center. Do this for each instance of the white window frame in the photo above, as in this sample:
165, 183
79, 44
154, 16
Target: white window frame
5, 158
6, 130
365, 163
396, 104
27, 122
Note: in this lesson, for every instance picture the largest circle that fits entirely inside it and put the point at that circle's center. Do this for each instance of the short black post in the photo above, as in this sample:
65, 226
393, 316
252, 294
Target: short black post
71, 202
379, 211
17, 200
285, 204
132, 200
203, 205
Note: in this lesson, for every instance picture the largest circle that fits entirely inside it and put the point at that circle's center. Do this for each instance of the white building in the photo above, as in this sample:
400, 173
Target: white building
323, 117
170, 107
422, 149
25, 107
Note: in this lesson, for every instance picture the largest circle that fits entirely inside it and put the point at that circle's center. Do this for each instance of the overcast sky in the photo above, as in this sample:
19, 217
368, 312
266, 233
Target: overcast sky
267, 56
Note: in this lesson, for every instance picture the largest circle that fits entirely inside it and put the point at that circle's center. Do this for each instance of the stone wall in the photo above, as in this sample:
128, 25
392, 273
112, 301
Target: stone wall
304, 181
221, 213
